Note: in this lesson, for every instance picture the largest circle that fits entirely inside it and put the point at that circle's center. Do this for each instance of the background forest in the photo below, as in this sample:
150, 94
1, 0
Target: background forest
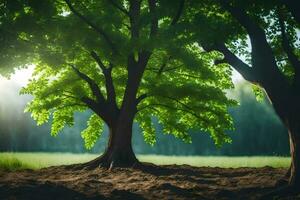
258, 131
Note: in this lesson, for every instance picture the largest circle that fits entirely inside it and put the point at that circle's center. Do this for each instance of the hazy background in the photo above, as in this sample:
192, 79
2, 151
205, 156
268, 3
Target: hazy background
258, 130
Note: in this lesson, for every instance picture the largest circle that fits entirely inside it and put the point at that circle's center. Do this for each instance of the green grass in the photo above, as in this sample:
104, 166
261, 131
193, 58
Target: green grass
16, 161
219, 161
12, 164
40, 160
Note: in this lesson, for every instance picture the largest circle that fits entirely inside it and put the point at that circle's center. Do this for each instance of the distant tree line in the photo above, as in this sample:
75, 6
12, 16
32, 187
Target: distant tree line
258, 132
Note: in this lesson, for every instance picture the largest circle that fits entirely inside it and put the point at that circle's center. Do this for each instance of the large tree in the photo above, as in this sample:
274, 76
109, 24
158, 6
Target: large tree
259, 39
126, 61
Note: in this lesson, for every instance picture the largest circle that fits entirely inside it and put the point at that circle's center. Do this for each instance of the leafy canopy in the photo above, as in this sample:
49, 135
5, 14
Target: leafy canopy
276, 20
19, 26
182, 86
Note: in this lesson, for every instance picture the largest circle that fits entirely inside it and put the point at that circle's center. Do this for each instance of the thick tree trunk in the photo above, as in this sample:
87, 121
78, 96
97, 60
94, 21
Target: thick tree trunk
292, 187
286, 102
288, 111
119, 152
291, 120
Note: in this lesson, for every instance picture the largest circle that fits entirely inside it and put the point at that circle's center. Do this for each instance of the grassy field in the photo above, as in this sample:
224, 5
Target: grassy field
15, 161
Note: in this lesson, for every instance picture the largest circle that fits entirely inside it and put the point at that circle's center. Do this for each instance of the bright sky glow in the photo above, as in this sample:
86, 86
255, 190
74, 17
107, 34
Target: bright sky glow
236, 77
20, 77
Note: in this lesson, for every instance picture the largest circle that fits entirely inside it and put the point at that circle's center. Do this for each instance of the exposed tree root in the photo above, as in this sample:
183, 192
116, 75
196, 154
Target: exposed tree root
284, 180
281, 182
109, 160
283, 188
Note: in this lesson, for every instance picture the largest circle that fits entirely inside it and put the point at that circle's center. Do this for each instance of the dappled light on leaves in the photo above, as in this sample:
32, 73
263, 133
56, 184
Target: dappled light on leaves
182, 86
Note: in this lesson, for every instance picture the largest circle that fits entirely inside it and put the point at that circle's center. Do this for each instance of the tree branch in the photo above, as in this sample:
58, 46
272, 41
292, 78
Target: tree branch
94, 87
262, 56
172, 68
70, 96
154, 20
100, 109
111, 93
93, 26
241, 16
110, 89
167, 97
99, 105
188, 107
245, 70
287, 47
89, 102
294, 7
179, 13
177, 101
141, 98
170, 107
116, 5
163, 66
257, 35
135, 74
134, 14
71, 105
146, 107
186, 75
98, 61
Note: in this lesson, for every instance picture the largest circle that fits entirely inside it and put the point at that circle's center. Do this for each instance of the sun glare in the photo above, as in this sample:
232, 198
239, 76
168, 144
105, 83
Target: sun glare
236, 77
20, 77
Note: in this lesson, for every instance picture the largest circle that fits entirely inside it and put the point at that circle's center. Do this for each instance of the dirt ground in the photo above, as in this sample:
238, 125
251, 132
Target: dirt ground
153, 182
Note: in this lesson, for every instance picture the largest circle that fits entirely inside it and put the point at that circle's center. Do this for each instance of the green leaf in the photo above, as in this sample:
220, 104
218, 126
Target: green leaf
61, 117
258, 92
93, 131
148, 128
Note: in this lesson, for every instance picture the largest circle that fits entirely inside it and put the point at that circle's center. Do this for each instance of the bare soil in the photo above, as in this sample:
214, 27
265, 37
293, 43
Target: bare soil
151, 182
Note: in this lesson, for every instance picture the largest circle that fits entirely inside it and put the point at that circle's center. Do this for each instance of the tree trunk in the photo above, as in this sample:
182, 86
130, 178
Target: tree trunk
291, 120
293, 186
119, 152
294, 135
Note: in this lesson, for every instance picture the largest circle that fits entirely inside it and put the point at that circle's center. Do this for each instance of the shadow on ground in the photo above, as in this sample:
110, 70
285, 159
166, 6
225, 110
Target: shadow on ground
150, 182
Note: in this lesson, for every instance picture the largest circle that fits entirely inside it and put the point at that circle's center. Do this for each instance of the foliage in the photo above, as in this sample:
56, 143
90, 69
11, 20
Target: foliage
211, 17
259, 93
93, 131
248, 140
183, 87
19, 26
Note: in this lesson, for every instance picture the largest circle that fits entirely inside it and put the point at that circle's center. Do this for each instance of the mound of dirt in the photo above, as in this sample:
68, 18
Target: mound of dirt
151, 182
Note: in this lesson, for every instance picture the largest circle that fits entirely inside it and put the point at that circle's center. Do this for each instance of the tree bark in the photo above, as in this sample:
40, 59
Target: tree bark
294, 135
286, 104
292, 186
119, 152
285, 97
